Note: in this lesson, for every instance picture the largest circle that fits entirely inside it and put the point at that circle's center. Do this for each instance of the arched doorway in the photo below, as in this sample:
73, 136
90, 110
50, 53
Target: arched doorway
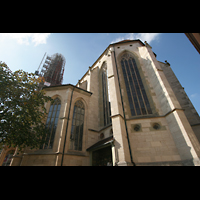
101, 153
102, 157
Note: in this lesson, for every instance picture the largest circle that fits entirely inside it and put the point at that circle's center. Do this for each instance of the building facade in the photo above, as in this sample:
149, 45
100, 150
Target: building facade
128, 109
194, 39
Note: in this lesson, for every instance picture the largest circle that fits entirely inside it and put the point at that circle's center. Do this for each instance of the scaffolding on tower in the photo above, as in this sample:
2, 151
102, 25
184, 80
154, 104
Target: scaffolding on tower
52, 70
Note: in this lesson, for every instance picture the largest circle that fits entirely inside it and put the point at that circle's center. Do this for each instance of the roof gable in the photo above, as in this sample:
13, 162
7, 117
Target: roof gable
126, 41
120, 42
65, 86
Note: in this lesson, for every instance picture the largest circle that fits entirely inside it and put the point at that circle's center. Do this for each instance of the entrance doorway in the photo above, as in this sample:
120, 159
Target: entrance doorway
102, 157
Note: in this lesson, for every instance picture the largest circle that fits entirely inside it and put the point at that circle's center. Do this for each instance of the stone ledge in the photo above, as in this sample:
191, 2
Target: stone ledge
117, 116
189, 162
124, 163
111, 76
41, 153
75, 153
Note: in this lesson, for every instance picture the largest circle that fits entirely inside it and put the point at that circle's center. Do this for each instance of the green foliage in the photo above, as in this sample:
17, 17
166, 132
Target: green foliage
22, 110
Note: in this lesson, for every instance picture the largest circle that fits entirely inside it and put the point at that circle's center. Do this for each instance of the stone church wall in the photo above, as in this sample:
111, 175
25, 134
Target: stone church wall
168, 136
187, 106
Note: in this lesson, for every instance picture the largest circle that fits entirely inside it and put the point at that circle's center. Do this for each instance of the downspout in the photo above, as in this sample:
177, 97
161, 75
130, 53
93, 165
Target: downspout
67, 126
123, 111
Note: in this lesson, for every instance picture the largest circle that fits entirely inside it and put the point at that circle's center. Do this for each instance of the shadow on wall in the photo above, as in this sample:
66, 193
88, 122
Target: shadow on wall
117, 147
180, 141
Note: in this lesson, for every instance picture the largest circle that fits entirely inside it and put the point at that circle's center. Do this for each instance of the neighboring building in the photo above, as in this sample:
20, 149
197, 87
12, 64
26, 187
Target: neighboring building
6, 155
194, 39
127, 109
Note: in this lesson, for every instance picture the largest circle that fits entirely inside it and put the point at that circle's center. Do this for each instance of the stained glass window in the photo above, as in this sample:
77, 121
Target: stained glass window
76, 135
138, 101
51, 124
106, 103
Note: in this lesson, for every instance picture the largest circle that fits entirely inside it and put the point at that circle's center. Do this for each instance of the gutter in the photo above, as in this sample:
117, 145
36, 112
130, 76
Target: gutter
123, 110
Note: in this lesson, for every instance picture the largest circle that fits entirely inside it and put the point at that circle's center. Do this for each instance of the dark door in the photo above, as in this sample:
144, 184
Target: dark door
102, 156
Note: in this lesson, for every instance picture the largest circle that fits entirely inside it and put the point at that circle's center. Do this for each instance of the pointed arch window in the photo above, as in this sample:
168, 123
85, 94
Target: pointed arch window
138, 101
106, 103
51, 124
76, 136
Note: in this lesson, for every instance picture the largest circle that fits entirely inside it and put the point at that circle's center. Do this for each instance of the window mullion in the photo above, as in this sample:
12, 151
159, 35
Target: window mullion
133, 80
52, 126
146, 101
105, 97
76, 131
133, 66
132, 87
125, 73
51, 129
104, 115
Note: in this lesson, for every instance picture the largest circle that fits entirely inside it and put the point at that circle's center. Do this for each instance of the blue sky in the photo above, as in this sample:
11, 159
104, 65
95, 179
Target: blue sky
25, 51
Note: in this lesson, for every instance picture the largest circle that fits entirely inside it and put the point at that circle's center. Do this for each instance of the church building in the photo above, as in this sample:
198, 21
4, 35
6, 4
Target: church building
128, 109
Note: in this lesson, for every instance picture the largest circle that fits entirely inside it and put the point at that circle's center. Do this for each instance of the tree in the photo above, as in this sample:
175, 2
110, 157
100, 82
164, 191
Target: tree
22, 110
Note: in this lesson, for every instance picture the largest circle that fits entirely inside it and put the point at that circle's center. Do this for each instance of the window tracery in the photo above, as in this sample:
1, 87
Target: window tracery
51, 124
77, 126
106, 103
138, 100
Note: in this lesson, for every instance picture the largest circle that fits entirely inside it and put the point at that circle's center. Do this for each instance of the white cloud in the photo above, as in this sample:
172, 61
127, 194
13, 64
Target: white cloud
192, 96
27, 38
118, 39
149, 37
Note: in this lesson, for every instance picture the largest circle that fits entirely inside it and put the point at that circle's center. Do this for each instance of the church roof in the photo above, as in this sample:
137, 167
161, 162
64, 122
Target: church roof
64, 86
125, 41
122, 41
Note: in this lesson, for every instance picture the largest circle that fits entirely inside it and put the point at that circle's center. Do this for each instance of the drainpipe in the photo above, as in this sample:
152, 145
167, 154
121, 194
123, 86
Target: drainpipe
67, 126
123, 111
